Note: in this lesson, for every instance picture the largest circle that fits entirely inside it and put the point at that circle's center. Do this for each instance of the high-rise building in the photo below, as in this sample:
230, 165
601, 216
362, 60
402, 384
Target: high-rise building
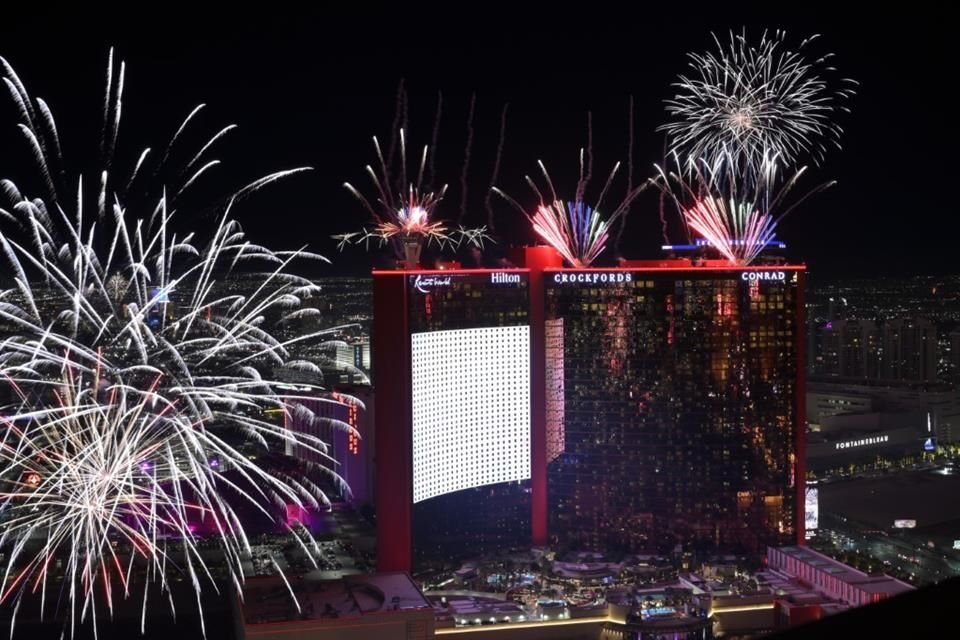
354, 449
952, 356
361, 354
909, 350
643, 408
830, 346
851, 349
453, 387
343, 421
682, 407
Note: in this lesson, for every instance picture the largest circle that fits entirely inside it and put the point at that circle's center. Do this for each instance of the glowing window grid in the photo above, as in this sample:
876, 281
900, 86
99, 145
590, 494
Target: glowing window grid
471, 409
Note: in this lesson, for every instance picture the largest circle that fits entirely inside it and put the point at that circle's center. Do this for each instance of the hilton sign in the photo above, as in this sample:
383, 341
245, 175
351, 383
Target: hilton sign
499, 277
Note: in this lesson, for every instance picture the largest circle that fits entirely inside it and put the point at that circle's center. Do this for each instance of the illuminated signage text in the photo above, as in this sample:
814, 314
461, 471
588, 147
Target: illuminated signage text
592, 278
424, 284
750, 276
861, 442
499, 277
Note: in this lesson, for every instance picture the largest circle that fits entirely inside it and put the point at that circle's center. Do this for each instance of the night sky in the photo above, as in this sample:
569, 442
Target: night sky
310, 88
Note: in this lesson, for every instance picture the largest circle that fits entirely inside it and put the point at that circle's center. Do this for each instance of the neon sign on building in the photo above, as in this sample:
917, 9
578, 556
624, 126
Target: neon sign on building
750, 276
613, 277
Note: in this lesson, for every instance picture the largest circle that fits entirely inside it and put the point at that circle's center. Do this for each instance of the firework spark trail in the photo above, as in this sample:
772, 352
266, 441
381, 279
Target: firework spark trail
140, 315
626, 214
662, 212
738, 231
589, 174
574, 229
466, 159
397, 122
688, 185
434, 137
405, 123
408, 215
496, 168
749, 103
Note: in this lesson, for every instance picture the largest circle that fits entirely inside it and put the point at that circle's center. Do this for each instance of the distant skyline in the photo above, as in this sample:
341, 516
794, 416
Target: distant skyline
311, 87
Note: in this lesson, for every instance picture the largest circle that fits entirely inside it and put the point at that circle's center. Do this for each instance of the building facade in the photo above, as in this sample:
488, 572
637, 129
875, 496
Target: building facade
452, 356
682, 414
643, 409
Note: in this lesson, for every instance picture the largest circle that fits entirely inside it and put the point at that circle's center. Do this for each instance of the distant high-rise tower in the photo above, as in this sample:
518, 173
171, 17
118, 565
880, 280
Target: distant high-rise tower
954, 358
859, 347
909, 351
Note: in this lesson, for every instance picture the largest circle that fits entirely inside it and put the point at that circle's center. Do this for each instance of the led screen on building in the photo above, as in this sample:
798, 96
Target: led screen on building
471, 408
812, 510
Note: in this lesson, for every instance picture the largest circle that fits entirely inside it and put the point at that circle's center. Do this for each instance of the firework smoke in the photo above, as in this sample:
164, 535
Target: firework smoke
466, 158
496, 167
433, 138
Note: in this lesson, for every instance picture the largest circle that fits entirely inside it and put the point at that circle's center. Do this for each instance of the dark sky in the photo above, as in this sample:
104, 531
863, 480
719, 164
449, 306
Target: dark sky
311, 87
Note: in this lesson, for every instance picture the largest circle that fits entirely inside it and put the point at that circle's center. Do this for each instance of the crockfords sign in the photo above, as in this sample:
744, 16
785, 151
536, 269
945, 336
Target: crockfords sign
593, 277
751, 276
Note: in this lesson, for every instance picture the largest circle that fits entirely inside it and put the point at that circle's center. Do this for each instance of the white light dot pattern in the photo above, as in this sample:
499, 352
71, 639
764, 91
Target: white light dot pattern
471, 409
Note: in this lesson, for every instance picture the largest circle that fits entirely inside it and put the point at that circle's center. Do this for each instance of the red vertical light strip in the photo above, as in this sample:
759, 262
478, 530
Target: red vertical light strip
800, 406
391, 371
537, 259
353, 419
353, 442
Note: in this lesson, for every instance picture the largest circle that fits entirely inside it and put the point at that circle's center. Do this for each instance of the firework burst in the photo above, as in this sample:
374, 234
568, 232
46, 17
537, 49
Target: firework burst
738, 231
112, 480
741, 124
403, 210
575, 229
738, 220
108, 291
747, 104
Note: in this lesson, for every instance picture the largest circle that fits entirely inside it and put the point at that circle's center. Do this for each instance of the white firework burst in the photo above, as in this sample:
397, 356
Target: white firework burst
111, 480
749, 104
130, 319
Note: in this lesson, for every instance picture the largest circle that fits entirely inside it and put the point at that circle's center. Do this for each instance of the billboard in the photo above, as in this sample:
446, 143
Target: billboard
470, 408
812, 510
905, 524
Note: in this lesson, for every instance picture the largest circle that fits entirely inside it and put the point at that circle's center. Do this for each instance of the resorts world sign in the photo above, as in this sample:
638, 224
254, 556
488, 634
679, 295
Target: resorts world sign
424, 284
